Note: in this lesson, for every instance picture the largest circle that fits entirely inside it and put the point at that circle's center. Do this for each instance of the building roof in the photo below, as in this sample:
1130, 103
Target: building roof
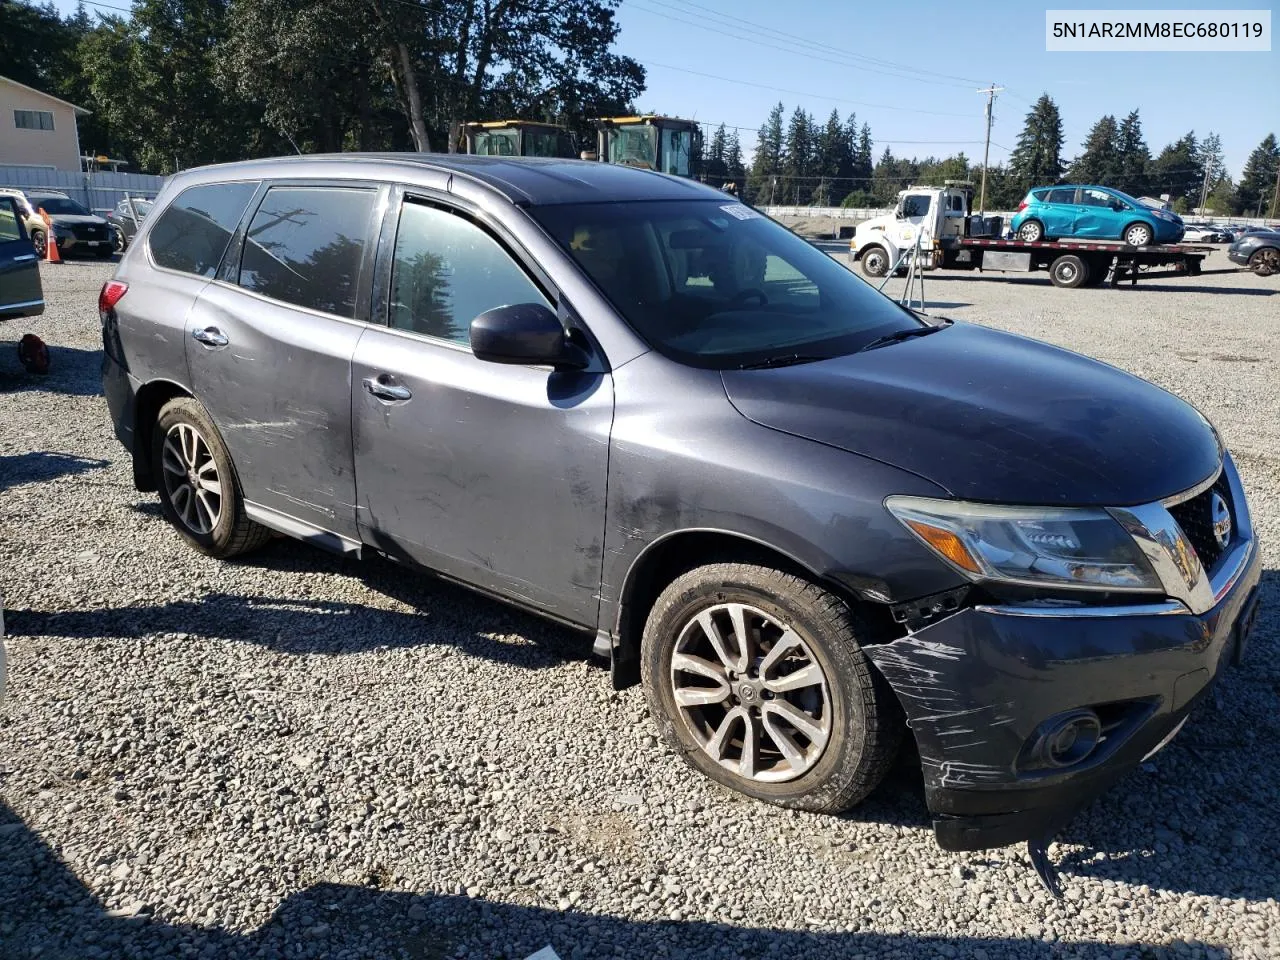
80, 111
531, 181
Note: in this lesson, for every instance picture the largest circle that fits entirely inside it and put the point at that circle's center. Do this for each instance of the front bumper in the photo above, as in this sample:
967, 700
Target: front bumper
982, 687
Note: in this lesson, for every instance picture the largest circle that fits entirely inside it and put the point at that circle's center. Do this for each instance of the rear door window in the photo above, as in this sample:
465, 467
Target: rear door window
1062, 195
192, 233
306, 245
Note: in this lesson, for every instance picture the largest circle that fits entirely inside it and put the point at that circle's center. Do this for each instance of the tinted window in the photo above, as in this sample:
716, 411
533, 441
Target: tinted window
191, 234
10, 222
447, 271
1062, 195
717, 285
915, 205
305, 246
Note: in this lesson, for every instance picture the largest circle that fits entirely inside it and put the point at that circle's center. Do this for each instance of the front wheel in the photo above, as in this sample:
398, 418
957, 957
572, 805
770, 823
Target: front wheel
1265, 262
756, 677
38, 242
875, 261
199, 491
1069, 271
1138, 235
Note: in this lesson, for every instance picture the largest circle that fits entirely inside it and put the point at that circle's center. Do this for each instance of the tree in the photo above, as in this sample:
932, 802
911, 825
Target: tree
1177, 171
832, 162
1258, 180
798, 157
1134, 157
767, 162
1100, 161
716, 168
733, 161
1215, 169
1037, 159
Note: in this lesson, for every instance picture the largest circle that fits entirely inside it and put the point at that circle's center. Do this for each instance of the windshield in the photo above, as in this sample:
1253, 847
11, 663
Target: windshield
634, 146
496, 143
55, 206
718, 285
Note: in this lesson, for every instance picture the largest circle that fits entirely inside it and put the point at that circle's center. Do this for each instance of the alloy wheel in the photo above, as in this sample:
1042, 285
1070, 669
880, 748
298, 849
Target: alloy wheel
191, 478
751, 692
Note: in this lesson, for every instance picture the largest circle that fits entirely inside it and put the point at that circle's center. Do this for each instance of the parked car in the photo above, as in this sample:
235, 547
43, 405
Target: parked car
21, 294
31, 220
75, 229
1259, 250
794, 510
1098, 213
125, 218
1202, 233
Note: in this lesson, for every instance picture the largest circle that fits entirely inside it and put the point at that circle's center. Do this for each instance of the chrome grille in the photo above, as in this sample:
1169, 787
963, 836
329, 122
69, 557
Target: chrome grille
1195, 517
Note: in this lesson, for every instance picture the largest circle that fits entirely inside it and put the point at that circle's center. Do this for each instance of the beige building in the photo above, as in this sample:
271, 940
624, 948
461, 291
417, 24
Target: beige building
38, 129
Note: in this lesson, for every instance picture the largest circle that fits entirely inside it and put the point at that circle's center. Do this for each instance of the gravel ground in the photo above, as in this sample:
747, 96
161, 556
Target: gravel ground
299, 756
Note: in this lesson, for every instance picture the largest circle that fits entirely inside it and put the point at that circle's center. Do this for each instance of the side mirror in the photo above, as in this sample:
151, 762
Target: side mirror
525, 333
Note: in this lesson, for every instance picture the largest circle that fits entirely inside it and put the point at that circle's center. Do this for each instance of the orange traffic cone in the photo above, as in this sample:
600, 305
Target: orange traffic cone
51, 254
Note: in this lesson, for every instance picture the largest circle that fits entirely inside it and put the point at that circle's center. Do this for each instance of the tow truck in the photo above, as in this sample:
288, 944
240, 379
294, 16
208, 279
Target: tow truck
934, 227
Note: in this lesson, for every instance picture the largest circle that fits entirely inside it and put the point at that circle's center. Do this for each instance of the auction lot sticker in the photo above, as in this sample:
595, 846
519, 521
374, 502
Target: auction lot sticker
1129, 31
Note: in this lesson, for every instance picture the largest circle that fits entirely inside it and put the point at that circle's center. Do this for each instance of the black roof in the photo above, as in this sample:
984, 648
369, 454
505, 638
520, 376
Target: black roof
533, 181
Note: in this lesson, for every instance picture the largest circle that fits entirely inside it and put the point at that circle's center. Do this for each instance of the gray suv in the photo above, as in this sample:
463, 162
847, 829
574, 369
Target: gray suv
809, 520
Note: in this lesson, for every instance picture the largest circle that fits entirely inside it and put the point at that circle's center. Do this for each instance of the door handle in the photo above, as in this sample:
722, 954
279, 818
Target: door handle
383, 390
210, 337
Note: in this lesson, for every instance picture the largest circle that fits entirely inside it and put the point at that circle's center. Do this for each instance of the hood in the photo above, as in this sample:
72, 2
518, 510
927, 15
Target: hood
71, 219
993, 417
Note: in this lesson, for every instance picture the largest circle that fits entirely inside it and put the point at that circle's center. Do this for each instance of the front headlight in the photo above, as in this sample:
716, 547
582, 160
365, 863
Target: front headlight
1075, 547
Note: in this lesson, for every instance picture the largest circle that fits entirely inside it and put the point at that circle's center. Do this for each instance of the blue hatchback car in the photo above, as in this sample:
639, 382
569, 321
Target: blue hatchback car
1095, 213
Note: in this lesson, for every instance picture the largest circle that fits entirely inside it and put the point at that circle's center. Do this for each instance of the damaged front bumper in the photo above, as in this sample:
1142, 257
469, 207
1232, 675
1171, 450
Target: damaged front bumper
1023, 714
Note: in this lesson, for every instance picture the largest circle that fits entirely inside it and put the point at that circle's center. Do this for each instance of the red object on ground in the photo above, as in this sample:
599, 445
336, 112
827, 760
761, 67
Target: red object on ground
33, 354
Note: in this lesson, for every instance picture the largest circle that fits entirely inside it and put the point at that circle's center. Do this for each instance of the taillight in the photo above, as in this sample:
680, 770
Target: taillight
110, 295
1022, 206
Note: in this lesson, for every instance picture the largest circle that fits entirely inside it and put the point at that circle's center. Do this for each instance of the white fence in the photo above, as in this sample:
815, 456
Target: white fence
99, 191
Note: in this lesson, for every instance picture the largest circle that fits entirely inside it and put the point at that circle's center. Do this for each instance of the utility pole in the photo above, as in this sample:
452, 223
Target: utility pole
991, 92
1204, 190
1275, 194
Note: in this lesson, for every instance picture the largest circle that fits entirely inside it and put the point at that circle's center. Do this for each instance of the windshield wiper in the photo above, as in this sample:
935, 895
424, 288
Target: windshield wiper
785, 360
900, 335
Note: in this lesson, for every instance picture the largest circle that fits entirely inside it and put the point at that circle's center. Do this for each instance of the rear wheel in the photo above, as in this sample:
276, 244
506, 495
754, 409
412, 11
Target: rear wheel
1138, 235
1265, 262
1031, 231
757, 679
875, 261
38, 242
199, 491
1069, 271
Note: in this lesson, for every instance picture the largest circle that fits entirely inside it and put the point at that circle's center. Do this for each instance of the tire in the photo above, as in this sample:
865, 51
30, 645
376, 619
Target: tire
118, 242
216, 525
1069, 271
875, 261
854, 715
1031, 231
1265, 262
1138, 235
38, 243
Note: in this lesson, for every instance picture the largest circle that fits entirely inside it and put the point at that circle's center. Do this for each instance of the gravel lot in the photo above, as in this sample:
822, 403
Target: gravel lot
298, 756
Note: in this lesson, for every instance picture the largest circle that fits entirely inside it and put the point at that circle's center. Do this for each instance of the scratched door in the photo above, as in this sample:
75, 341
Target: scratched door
269, 345
492, 473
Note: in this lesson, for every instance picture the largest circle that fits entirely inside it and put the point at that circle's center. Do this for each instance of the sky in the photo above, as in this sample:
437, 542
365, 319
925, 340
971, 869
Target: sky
911, 70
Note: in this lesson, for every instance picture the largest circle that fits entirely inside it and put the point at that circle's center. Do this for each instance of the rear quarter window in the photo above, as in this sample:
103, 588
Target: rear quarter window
192, 233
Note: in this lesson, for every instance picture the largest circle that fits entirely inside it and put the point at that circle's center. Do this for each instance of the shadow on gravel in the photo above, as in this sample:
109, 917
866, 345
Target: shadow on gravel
72, 370
46, 911
39, 466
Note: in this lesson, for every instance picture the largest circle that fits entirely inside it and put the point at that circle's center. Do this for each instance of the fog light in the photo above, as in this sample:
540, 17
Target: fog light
1069, 738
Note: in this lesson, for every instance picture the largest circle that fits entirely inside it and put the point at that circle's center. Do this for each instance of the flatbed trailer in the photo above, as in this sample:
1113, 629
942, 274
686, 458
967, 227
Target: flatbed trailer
1072, 263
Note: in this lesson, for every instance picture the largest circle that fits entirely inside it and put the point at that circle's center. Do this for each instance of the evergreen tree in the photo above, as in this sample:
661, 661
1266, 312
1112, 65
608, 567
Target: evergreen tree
1177, 172
1253, 196
766, 165
863, 158
1037, 160
798, 157
715, 168
1100, 162
833, 161
733, 161
1135, 158
1215, 169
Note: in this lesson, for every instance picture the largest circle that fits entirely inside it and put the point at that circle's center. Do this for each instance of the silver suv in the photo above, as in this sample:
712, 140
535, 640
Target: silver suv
796, 510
